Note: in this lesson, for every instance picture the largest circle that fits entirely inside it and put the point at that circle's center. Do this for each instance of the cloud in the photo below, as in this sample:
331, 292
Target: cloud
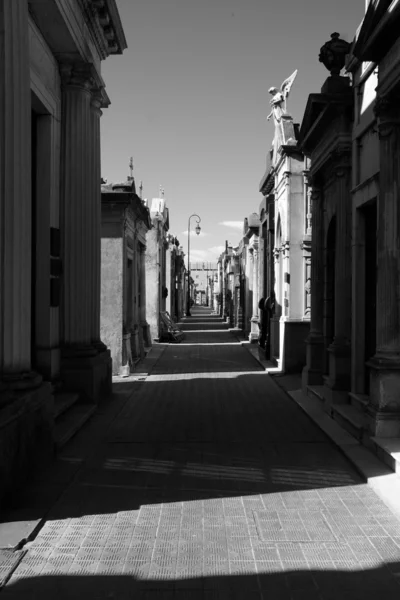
192, 232
233, 224
216, 250
209, 255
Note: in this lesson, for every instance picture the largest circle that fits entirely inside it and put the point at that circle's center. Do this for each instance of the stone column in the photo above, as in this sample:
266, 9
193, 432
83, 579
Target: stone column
75, 211
95, 219
338, 383
312, 372
143, 302
83, 368
254, 331
15, 198
26, 403
384, 410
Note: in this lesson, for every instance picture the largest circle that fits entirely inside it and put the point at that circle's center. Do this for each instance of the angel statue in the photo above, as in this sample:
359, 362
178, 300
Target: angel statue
279, 98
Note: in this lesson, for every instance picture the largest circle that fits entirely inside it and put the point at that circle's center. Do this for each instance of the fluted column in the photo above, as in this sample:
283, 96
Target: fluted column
340, 349
343, 258
95, 218
254, 321
312, 372
385, 366
75, 213
15, 198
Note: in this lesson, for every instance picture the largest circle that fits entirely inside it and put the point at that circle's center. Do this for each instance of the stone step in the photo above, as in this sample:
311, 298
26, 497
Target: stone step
316, 392
388, 450
63, 401
69, 423
351, 419
359, 401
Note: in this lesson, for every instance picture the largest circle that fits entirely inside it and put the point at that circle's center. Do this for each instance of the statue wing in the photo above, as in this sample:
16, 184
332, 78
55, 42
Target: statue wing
287, 84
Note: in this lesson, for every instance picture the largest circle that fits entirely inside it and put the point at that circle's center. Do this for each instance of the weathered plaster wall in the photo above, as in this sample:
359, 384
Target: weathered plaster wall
111, 308
152, 282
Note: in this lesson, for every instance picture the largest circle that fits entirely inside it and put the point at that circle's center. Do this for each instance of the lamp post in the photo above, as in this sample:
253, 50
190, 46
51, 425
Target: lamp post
197, 230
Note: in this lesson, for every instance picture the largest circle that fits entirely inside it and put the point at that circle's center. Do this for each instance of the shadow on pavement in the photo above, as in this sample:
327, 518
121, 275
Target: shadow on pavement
178, 581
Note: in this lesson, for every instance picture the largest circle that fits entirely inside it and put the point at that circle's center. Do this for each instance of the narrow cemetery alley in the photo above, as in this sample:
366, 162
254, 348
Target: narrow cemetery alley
201, 478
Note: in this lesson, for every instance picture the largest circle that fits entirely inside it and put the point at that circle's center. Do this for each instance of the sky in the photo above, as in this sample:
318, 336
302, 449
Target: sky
189, 101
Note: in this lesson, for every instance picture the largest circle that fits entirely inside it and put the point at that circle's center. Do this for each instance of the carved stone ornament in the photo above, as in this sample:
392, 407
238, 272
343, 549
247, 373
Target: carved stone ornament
333, 54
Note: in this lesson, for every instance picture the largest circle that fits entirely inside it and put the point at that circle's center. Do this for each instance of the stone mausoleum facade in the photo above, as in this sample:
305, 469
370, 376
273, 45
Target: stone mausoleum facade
125, 223
351, 131
285, 231
51, 97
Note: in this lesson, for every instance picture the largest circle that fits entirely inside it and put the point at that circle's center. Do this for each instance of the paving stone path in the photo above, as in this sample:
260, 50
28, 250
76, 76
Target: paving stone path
211, 483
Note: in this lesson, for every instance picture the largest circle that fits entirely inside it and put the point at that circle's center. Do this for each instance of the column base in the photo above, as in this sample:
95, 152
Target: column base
385, 395
339, 366
292, 351
146, 335
384, 424
254, 330
78, 351
26, 434
99, 346
91, 376
312, 372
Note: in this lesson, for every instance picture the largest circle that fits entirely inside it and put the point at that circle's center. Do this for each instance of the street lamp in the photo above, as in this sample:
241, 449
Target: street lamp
197, 230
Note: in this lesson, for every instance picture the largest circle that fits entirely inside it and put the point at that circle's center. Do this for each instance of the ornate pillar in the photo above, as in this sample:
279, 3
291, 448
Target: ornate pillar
384, 410
26, 403
83, 368
255, 320
95, 219
75, 217
15, 199
338, 382
312, 372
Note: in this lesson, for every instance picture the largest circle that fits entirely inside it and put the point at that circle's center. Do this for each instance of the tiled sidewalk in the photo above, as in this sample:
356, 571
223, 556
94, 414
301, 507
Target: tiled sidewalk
212, 483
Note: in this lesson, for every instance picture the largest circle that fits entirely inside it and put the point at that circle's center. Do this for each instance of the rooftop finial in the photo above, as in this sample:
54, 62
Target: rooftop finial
131, 167
141, 190
333, 54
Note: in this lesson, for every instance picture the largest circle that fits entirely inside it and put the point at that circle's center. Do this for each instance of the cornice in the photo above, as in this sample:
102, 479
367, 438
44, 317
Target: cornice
320, 116
105, 25
378, 31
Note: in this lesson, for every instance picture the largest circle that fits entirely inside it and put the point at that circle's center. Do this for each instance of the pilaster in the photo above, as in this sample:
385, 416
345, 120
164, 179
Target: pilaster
384, 410
26, 408
82, 368
15, 198
75, 217
95, 218
312, 372
255, 320
339, 380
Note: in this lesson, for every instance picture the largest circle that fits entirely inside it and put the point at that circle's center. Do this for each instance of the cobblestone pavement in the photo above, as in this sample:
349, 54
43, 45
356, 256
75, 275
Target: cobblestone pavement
212, 483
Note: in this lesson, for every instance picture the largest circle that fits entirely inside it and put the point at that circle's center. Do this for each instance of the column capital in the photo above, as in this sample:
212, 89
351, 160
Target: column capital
77, 75
96, 101
387, 112
387, 106
342, 152
341, 170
